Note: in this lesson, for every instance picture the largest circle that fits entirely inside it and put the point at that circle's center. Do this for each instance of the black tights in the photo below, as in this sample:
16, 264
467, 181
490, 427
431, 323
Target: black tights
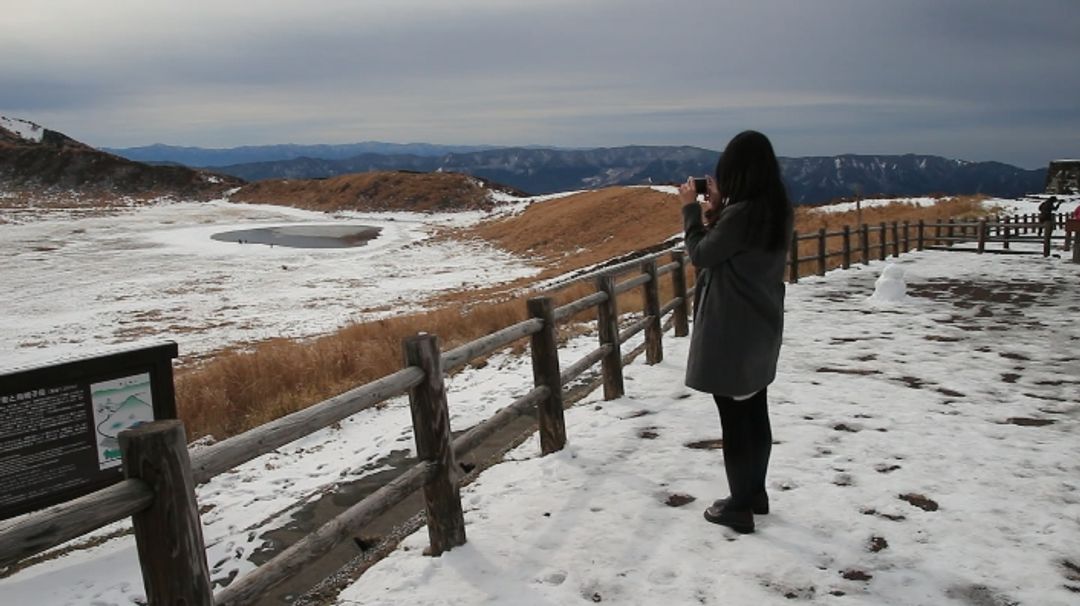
747, 445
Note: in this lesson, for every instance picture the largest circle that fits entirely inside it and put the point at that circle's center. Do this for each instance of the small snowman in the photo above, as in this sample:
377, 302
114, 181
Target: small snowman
890, 286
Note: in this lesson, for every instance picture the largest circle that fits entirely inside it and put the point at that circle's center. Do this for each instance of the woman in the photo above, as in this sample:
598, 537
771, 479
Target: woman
739, 250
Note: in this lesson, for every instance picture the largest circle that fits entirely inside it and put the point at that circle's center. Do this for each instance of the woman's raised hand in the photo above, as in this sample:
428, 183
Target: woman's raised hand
687, 193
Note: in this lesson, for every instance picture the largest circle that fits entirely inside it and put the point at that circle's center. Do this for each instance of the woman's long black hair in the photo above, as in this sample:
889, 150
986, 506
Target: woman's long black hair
749, 172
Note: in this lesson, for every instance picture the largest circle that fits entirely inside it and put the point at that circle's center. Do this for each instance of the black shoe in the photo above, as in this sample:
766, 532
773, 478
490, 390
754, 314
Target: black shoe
739, 521
759, 505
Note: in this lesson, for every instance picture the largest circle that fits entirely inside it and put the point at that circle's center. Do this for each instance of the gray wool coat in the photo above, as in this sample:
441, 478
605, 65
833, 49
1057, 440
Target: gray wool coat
738, 308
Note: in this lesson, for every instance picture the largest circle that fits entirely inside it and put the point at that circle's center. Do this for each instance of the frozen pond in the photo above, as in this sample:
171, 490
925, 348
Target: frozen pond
77, 283
303, 236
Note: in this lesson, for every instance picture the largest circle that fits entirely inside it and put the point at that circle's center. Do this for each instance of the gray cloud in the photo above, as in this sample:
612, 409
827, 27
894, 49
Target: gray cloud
973, 79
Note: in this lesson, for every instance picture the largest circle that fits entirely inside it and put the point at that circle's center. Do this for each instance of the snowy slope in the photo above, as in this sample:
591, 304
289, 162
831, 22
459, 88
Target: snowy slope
82, 280
23, 128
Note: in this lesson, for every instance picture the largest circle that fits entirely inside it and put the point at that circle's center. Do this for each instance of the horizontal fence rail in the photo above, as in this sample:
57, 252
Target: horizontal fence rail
239, 449
41, 530
456, 358
251, 586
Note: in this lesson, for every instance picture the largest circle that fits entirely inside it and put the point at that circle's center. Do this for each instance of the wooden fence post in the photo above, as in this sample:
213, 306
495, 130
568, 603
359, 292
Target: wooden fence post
1005, 237
920, 235
864, 243
608, 324
907, 236
168, 533
821, 252
431, 428
937, 232
680, 316
793, 269
847, 247
884, 242
654, 347
895, 239
951, 233
545, 365
982, 236
1047, 230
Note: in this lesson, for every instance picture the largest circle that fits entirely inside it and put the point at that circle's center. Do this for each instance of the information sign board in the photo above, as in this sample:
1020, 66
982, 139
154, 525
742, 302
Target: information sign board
59, 423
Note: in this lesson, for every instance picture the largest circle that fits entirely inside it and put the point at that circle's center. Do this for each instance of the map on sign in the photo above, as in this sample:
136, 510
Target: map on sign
119, 404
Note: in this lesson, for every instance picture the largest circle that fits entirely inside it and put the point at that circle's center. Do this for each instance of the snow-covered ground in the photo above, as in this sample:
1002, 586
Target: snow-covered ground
909, 465
23, 128
841, 207
877, 397
78, 281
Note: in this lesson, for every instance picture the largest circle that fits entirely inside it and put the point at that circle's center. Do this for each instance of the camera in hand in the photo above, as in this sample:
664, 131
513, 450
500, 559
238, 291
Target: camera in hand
701, 186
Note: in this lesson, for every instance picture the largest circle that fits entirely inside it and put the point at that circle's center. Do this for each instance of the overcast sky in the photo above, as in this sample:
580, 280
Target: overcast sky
969, 79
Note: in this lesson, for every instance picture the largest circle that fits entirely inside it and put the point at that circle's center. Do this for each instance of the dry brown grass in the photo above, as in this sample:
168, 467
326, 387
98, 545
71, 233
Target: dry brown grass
374, 191
237, 390
586, 228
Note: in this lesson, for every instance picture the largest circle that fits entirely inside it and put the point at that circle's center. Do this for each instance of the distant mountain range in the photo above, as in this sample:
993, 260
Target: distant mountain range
810, 180
32, 156
208, 157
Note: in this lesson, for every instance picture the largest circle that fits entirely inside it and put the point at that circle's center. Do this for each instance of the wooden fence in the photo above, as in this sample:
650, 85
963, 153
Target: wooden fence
817, 252
160, 475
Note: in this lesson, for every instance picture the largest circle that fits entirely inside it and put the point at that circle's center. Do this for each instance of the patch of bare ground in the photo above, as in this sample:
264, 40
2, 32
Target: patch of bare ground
1028, 422
979, 595
921, 501
869, 511
849, 371
1071, 570
706, 444
678, 500
854, 574
876, 544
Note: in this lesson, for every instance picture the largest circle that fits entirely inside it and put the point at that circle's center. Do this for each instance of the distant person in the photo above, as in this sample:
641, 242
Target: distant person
739, 249
1046, 212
